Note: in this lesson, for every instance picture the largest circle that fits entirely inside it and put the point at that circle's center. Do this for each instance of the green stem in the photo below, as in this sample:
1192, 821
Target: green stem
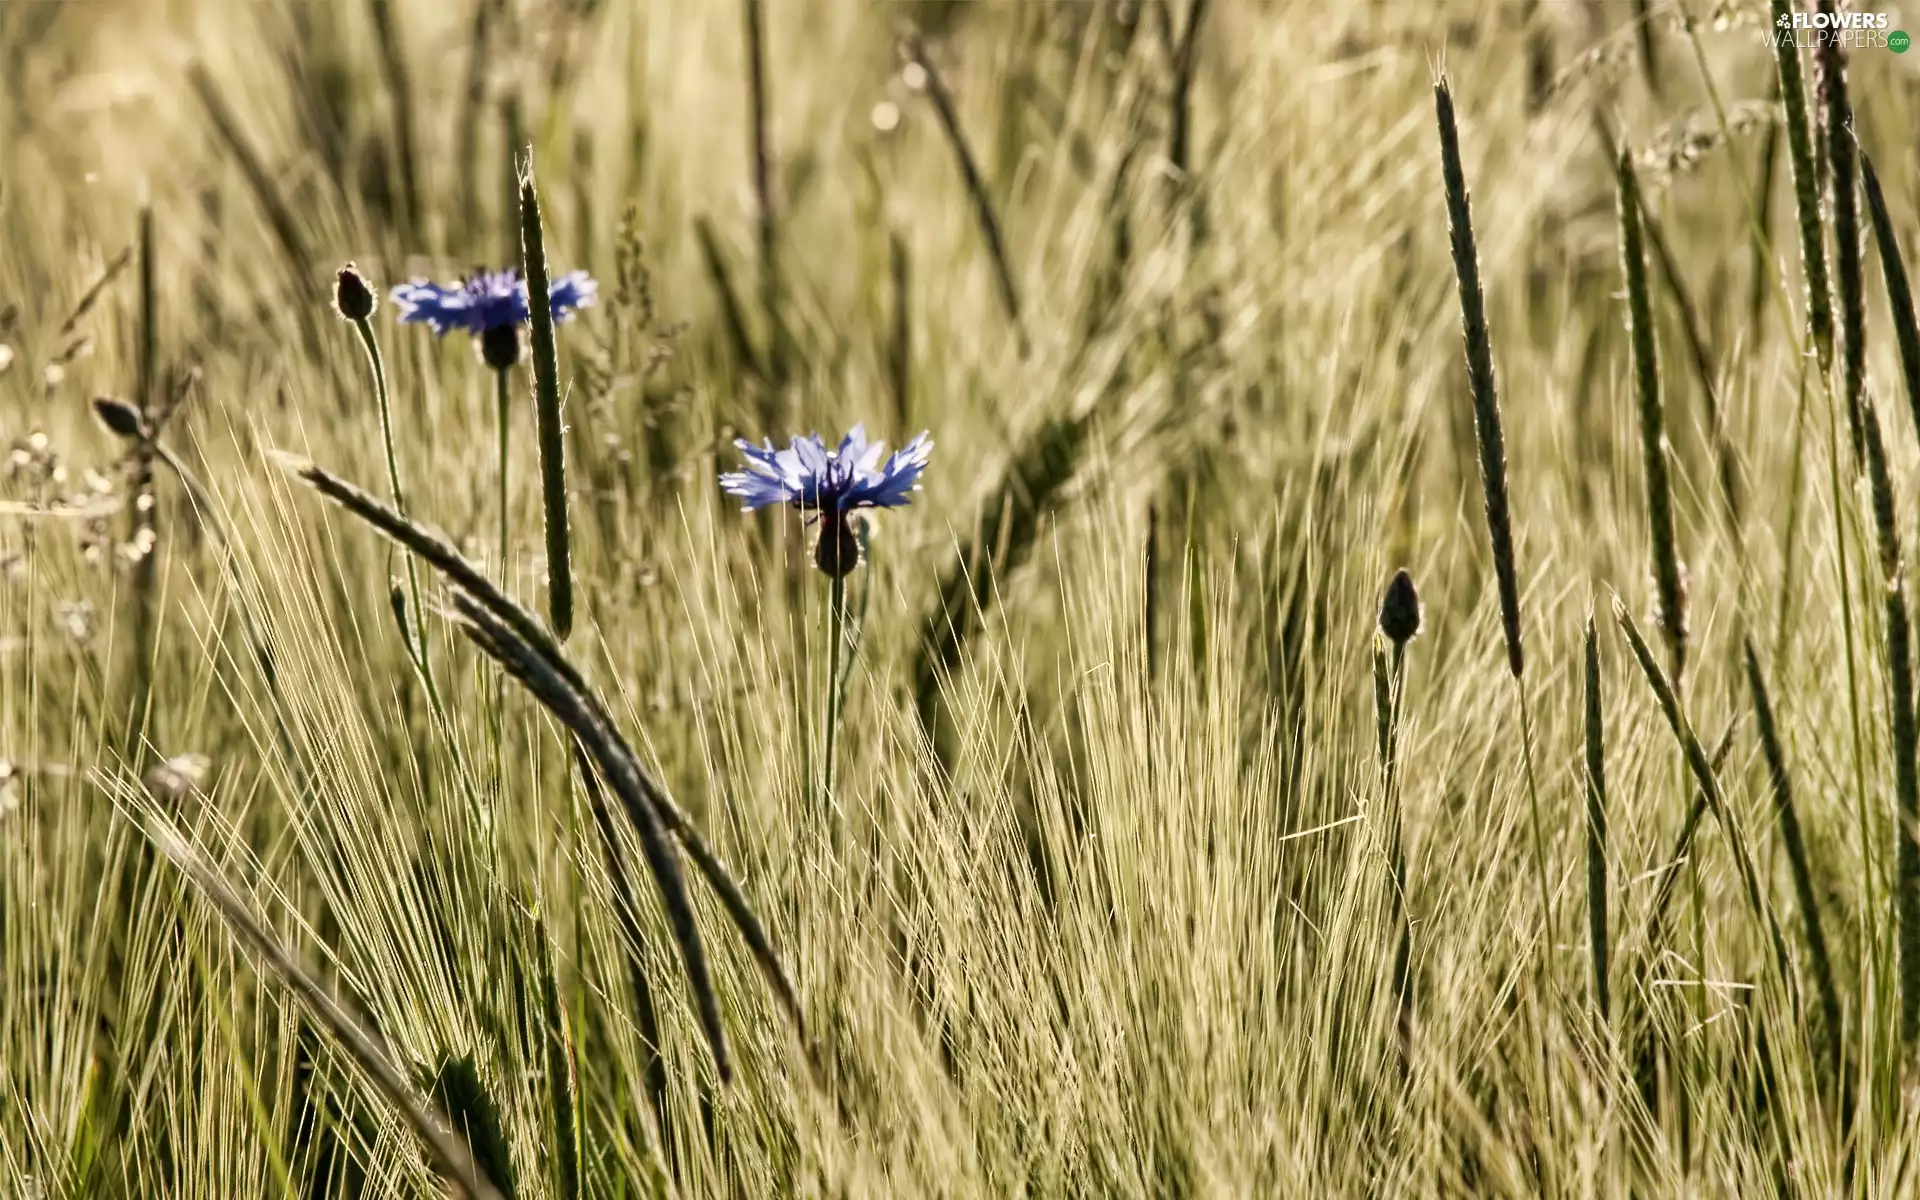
503, 413
852, 637
836, 636
1544, 962
416, 640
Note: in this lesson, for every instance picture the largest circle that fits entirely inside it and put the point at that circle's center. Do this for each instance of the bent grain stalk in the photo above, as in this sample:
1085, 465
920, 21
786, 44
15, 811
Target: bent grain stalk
446, 1147
518, 639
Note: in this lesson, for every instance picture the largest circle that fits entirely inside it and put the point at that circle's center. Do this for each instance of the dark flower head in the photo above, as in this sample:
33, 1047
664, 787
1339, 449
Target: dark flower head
837, 552
815, 479
487, 300
121, 419
1400, 609
352, 298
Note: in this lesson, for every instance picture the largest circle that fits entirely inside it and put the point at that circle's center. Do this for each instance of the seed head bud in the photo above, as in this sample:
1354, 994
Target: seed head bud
121, 418
1400, 609
838, 551
500, 346
352, 298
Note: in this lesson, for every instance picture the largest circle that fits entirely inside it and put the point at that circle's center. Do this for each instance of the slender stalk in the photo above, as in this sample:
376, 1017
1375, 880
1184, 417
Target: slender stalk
414, 638
503, 424
1705, 776
1398, 624
859, 622
976, 186
767, 217
1539, 826
393, 69
1761, 271
546, 395
467, 136
900, 331
1649, 45
141, 515
836, 636
1790, 541
563, 1077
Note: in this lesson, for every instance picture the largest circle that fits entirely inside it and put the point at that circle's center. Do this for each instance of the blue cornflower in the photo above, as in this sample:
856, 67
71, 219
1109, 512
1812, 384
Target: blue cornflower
833, 483
490, 305
813, 478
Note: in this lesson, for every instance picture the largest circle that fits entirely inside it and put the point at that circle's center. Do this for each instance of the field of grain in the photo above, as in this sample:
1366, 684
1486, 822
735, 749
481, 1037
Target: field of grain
419, 776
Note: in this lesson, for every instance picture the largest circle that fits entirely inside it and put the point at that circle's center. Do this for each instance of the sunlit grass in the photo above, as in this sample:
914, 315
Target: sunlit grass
1108, 890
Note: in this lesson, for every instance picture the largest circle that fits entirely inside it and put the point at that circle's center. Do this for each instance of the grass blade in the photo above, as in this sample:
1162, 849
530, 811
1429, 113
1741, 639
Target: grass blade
1797, 860
1706, 778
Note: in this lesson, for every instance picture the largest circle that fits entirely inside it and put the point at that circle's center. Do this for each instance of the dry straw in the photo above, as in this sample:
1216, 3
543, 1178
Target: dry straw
1782, 788
1708, 781
452, 1155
